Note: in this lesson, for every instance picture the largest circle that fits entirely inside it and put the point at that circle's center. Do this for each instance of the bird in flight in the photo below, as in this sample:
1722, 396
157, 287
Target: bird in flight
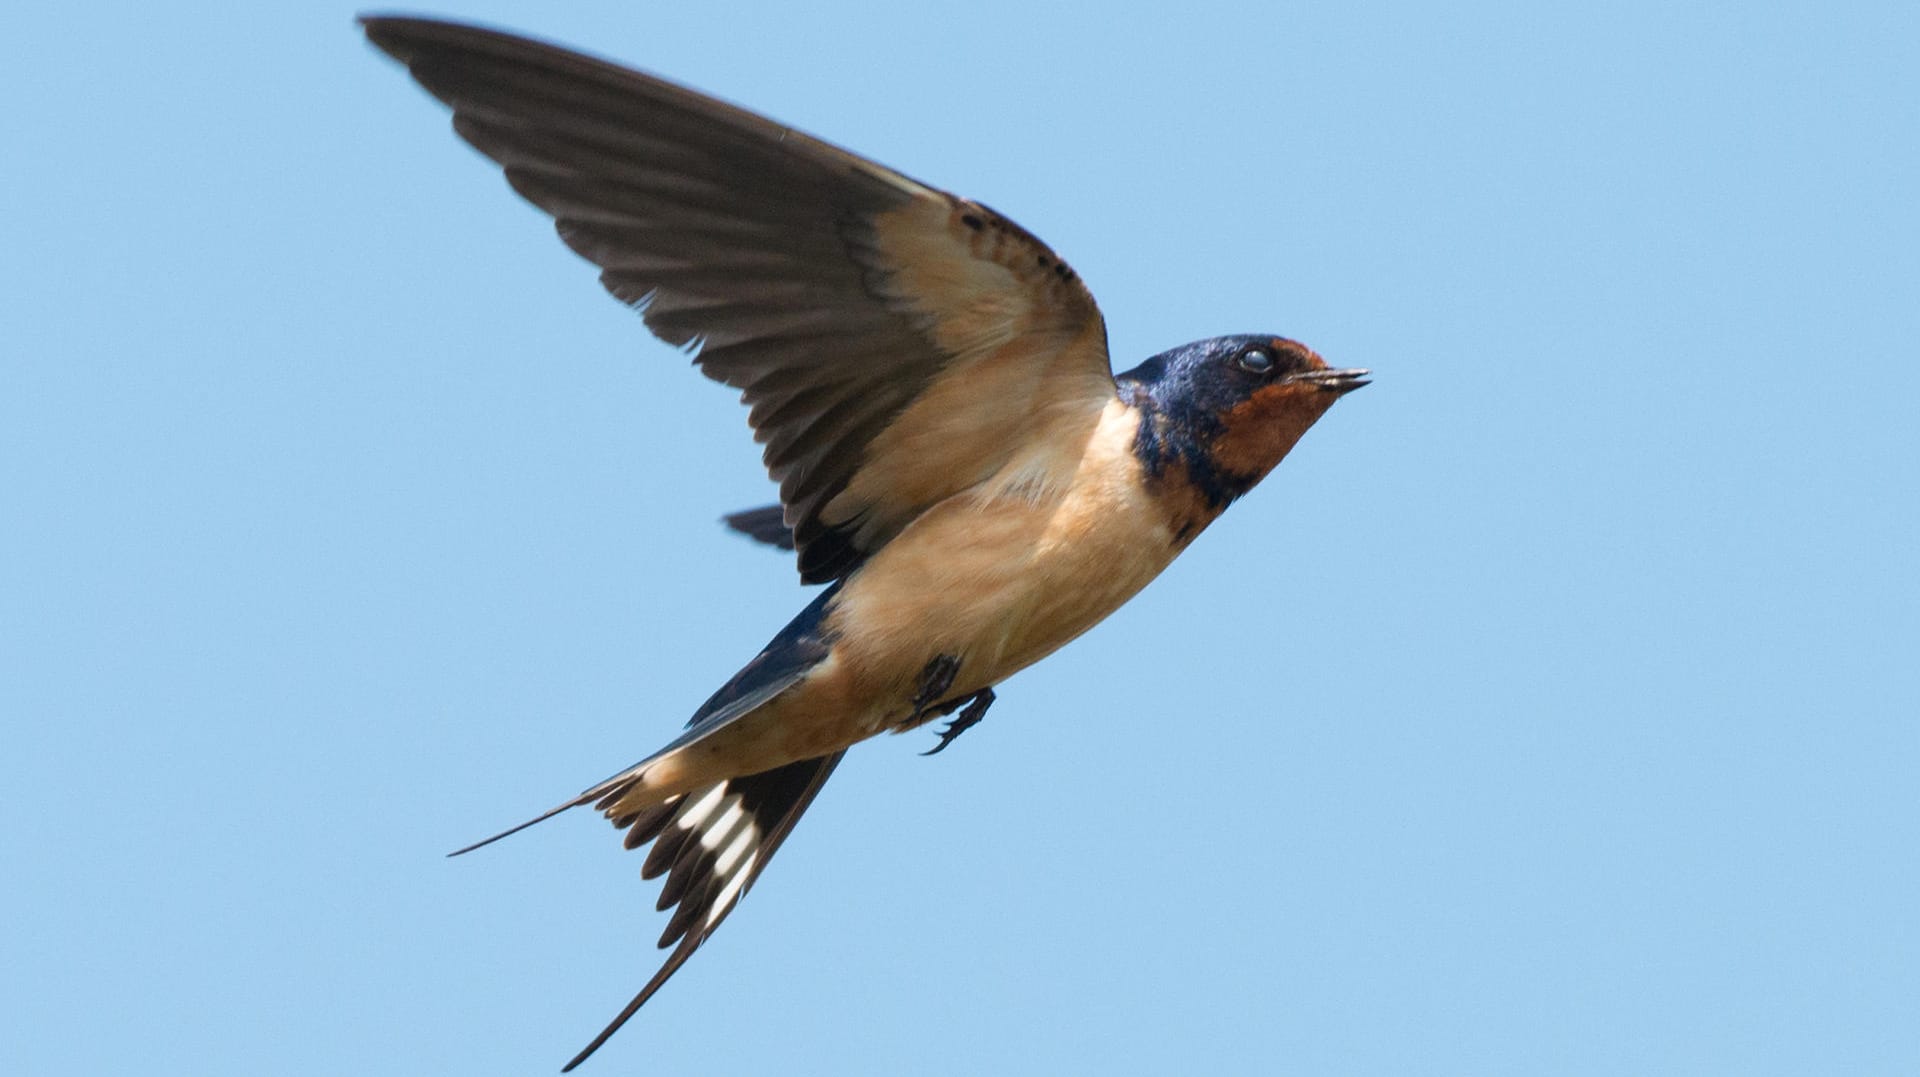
957, 462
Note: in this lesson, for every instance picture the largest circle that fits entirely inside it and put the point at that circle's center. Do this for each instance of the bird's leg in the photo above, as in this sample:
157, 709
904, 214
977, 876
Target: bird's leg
935, 679
976, 709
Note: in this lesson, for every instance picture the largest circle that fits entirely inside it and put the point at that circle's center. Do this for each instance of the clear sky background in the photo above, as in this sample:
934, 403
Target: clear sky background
1554, 709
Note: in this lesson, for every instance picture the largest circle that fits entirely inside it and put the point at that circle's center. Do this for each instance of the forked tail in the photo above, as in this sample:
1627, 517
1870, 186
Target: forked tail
711, 844
713, 840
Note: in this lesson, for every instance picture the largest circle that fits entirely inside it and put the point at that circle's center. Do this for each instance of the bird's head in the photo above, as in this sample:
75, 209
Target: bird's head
1228, 409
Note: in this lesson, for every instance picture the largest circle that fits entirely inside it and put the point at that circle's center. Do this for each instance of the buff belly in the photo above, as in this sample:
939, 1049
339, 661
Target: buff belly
998, 577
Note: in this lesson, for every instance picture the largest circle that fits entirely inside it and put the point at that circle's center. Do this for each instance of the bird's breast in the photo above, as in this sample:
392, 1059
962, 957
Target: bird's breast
1007, 572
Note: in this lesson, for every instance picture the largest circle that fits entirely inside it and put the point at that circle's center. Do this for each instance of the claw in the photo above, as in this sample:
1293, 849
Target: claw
976, 709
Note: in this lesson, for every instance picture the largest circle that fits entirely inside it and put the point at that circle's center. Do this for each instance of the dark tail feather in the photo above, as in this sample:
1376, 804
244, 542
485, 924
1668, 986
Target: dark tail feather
766, 524
606, 793
722, 837
541, 818
783, 662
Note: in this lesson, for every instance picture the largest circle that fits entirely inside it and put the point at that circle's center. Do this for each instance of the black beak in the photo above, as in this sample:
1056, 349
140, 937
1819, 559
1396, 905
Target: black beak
1334, 381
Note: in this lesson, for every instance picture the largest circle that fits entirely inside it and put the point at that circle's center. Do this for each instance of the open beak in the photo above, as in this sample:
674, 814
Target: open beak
1333, 381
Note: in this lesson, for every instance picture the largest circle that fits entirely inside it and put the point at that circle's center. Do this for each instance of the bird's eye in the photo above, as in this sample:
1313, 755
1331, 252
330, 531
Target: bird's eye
1254, 361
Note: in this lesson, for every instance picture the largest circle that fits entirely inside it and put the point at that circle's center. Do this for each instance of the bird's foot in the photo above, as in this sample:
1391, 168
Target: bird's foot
976, 709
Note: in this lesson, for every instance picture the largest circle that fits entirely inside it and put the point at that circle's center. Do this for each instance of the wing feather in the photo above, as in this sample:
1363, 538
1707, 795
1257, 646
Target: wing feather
838, 295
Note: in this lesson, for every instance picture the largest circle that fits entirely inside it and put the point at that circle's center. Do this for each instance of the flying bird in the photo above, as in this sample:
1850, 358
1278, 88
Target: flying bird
957, 462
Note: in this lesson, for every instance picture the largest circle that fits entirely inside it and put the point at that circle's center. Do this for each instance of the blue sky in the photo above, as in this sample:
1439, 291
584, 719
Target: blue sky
1551, 710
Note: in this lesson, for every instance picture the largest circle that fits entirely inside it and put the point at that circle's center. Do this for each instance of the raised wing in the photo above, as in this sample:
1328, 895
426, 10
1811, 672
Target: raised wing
895, 344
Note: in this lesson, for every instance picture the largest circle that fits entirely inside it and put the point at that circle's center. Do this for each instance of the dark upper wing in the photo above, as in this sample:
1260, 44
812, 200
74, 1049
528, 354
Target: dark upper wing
895, 343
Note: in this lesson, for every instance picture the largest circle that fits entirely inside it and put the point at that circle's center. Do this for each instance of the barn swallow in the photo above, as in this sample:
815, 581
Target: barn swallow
957, 462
